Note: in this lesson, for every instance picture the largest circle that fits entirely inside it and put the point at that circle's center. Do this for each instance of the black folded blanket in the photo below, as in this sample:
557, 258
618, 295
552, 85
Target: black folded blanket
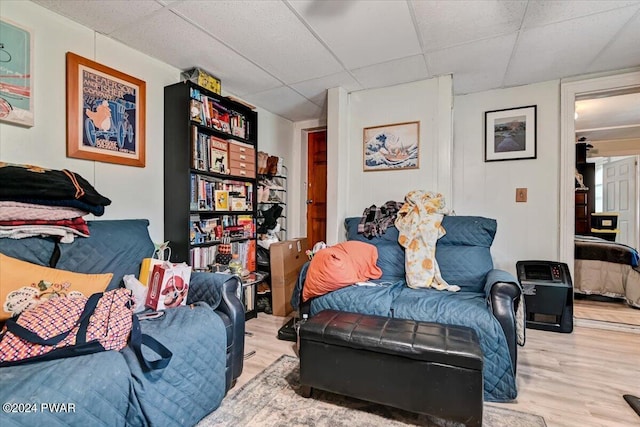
19, 182
594, 248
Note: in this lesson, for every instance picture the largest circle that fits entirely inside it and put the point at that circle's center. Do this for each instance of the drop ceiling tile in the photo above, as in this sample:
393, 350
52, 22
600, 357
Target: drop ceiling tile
316, 90
447, 23
548, 12
285, 102
186, 46
623, 52
362, 33
475, 66
391, 73
268, 33
104, 16
562, 49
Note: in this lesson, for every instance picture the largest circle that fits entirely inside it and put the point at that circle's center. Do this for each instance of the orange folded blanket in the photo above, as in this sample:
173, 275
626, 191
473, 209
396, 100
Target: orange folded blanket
340, 265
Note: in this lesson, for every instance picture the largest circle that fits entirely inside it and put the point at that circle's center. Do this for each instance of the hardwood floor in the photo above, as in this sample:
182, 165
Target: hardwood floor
616, 311
573, 380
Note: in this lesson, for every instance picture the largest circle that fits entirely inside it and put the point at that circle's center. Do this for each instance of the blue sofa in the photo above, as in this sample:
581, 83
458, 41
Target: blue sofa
206, 338
487, 301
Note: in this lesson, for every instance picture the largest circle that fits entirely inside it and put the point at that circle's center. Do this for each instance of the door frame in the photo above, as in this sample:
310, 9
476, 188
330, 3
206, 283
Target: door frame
304, 132
306, 182
569, 91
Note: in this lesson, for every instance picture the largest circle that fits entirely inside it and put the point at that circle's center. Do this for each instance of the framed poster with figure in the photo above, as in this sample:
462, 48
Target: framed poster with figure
510, 134
391, 147
105, 113
16, 74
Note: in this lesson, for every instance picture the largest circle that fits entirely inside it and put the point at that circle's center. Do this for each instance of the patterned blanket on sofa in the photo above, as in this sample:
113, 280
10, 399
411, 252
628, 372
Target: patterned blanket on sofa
110, 388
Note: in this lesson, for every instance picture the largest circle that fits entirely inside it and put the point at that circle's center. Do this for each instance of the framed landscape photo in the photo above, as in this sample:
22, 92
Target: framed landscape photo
16, 74
105, 113
391, 147
510, 134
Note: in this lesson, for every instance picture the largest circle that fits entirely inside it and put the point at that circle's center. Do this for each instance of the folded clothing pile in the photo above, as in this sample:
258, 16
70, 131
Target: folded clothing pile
36, 201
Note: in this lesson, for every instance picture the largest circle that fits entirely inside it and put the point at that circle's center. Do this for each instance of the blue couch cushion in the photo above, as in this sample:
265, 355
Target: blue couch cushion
36, 250
193, 384
390, 253
98, 385
114, 246
463, 254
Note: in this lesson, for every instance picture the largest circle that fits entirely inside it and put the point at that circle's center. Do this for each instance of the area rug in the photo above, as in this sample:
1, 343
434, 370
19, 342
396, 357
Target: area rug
272, 399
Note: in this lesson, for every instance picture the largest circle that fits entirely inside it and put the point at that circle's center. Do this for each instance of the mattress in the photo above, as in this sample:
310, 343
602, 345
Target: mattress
606, 268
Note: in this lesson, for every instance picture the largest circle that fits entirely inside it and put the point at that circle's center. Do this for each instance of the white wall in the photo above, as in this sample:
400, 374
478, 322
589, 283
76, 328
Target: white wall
274, 135
525, 230
349, 189
135, 192
396, 104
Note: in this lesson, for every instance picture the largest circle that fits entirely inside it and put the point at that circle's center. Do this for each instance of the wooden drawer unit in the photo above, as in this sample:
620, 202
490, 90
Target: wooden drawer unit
242, 159
249, 173
582, 213
239, 147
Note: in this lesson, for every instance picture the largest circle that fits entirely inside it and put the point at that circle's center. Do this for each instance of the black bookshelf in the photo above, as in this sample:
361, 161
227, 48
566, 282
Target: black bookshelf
178, 165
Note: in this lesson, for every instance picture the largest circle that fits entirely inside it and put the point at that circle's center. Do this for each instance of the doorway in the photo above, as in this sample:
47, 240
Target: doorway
615, 143
316, 187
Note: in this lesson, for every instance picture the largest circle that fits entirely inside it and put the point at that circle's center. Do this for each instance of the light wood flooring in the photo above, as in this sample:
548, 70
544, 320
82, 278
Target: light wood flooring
616, 311
573, 380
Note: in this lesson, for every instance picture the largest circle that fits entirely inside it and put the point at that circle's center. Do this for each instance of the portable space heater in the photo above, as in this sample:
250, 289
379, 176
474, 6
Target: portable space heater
548, 294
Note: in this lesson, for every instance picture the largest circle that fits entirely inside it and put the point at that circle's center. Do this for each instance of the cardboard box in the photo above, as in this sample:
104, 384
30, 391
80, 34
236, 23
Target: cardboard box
202, 78
286, 260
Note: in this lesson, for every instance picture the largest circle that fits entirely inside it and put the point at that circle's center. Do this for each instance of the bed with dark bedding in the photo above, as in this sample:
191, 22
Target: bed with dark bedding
607, 268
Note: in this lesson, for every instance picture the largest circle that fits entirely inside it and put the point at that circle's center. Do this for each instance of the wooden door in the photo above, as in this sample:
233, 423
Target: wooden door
317, 187
620, 195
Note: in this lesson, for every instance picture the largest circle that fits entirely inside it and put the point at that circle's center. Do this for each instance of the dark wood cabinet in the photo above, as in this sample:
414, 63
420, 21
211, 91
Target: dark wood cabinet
585, 199
583, 212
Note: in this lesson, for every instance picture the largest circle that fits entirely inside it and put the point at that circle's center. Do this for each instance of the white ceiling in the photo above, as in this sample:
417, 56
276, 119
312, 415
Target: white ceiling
283, 55
622, 118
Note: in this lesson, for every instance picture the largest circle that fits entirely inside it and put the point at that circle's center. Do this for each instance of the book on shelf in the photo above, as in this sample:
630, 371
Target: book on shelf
238, 204
195, 111
221, 200
251, 255
204, 230
238, 126
219, 149
210, 112
193, 201
204, 197
202, 257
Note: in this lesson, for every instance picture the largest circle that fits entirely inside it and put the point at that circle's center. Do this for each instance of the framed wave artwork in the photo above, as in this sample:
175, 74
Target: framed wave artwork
392, 147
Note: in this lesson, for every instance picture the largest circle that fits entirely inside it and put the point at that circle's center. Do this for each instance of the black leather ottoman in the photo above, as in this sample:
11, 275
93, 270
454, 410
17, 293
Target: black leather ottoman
421, 367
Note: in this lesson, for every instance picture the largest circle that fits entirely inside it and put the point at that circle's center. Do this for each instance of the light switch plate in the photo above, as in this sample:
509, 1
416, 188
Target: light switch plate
521, 195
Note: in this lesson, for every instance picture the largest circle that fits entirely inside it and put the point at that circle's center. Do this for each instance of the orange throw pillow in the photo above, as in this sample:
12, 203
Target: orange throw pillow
341, 265
24, 285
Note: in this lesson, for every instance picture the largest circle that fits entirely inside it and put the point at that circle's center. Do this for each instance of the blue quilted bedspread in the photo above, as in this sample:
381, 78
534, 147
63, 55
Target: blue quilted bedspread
428, 305
110, 389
